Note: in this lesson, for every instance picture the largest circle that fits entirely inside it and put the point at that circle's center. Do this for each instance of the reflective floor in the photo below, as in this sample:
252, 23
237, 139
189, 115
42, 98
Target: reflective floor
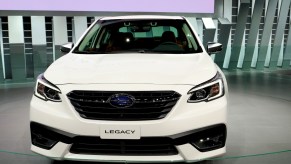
258, 130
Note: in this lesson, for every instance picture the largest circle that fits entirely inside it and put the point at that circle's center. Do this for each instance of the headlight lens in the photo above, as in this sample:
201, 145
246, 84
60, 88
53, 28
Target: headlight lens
46, 90
207, 91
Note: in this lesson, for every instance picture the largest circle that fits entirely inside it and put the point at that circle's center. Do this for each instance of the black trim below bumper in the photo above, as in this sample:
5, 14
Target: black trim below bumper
124, 147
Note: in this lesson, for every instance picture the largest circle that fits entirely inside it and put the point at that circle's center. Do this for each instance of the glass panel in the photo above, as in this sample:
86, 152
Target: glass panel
150, 36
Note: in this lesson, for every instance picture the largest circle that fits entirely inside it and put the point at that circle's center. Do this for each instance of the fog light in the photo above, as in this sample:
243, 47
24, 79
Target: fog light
46, 137
209, 143
210, 139
41, 141
42, 137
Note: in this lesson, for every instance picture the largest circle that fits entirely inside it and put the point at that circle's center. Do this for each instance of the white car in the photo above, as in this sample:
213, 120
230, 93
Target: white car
134, 89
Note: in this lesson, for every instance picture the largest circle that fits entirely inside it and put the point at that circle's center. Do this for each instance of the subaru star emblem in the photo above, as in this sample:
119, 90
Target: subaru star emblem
121, 100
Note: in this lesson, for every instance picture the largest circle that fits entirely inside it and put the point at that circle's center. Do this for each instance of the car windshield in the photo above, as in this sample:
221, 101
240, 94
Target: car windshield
143, 36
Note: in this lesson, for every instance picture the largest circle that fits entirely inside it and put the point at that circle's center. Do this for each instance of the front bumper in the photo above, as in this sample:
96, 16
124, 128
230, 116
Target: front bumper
185, 118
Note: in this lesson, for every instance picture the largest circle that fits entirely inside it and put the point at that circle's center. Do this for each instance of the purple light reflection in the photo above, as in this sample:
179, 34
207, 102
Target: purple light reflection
172, 6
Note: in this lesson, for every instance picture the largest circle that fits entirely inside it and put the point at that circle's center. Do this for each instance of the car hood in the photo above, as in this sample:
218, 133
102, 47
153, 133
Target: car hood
132, 68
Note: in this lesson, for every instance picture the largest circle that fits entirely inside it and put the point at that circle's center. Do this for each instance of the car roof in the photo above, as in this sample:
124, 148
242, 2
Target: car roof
134, 17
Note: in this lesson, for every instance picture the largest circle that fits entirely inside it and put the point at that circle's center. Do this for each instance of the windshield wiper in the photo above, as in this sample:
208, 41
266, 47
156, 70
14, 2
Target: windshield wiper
89, 52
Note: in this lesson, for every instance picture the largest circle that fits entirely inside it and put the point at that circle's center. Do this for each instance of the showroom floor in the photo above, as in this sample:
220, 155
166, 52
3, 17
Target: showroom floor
258, 130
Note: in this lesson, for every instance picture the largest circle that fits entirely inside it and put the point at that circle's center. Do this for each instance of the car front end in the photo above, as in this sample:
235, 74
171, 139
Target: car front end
133, 107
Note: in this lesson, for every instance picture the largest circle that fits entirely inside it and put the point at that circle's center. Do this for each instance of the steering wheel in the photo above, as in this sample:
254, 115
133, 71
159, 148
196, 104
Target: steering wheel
168, 43
169, 47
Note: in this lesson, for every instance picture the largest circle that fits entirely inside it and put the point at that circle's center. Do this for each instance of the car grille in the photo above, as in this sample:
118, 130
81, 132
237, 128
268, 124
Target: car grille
148, 105
144, 146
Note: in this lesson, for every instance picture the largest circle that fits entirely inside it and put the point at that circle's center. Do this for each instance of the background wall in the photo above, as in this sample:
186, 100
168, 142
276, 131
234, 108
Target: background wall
255, 33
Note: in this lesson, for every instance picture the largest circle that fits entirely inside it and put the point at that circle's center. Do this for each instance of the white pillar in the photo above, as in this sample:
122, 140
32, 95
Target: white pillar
79, 26
38, 30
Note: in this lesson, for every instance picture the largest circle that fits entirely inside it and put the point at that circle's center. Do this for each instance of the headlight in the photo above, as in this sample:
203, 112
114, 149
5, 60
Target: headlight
46, 90
207, 91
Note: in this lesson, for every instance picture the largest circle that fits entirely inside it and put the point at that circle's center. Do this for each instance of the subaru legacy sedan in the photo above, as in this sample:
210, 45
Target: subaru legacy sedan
132, 89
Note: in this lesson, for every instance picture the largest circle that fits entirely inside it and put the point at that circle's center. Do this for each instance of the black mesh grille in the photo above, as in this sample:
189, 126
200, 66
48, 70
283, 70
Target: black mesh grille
144, 146
148, 105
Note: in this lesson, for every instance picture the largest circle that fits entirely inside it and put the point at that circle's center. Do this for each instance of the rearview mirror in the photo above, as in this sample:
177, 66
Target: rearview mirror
66, 48
213, 47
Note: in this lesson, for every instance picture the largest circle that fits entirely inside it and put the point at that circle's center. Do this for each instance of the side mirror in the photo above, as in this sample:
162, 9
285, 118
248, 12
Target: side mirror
213, 47
66, 48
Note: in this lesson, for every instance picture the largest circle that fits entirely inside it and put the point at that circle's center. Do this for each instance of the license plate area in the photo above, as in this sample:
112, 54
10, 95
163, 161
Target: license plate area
119, 132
